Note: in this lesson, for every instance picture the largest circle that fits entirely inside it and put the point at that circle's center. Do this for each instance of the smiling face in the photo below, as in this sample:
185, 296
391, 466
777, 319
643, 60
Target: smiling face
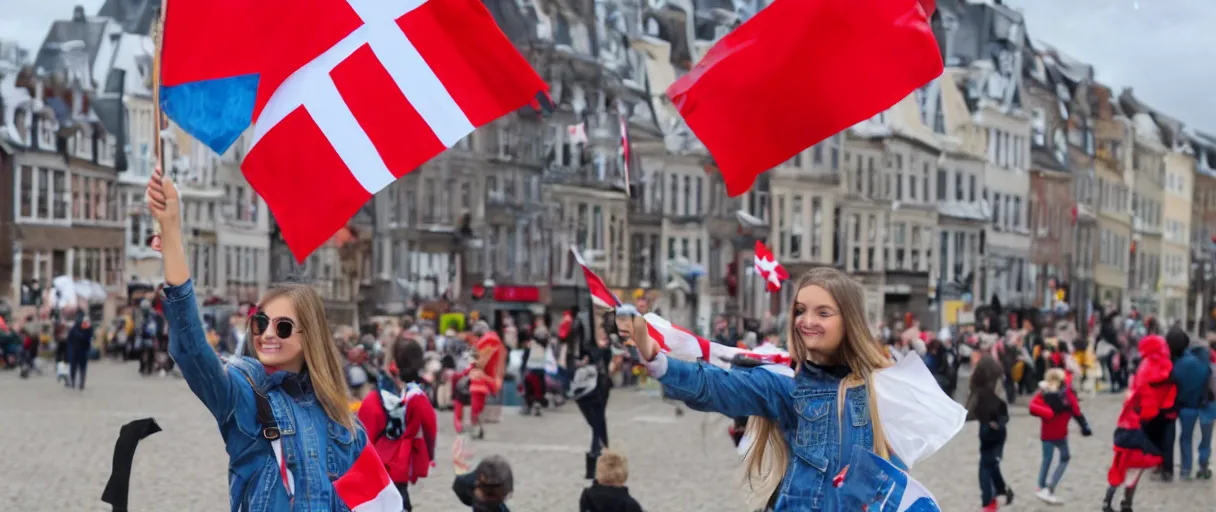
283, 352
818, 323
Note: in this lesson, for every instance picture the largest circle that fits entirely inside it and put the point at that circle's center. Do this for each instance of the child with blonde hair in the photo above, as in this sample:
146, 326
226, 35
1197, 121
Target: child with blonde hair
608, 492
1055, 405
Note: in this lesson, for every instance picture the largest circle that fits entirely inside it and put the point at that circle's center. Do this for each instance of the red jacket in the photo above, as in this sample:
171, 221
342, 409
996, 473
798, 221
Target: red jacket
1151, 389
1055, 419
408, 458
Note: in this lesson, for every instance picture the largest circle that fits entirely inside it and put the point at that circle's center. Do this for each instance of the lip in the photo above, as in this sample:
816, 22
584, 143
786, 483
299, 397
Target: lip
269, 348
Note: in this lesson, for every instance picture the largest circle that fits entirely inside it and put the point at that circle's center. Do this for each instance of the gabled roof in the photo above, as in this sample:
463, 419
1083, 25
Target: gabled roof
90, 32
135, 16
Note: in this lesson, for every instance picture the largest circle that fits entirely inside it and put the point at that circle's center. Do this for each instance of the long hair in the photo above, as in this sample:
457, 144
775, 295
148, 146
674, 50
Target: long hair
321, 357
768, 457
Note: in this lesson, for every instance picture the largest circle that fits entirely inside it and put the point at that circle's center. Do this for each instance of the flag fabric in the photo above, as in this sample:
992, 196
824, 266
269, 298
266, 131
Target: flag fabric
625, 148
872, 483
799, 72
681, 343
344, 96
366, 486
767, 266
601, 295
577, 133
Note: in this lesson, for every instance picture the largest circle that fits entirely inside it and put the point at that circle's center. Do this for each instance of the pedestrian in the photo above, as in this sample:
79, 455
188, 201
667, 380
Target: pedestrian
590, 389
794, 421
532, 368
1136, 446
402, 425
295, 382
986, 406
79, 341
487, 487
608, 492
482, 379
1055, 405
1193, 374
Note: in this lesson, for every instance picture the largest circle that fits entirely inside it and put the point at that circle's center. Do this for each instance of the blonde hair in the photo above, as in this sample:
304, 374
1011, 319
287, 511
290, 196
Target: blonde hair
321, 356
769, 456
611, 469
1053, 379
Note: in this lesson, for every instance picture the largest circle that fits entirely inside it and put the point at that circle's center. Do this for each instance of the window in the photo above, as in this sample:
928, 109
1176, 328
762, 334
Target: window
796, 224
698, 194
816, 227
899, 186
996, 209
675, 193
912, 185
1017, 212
687, 195
958, 185
27, 191
971, 189
59, 187
44, 192
941, 184
925, 182
671, 248
684, 248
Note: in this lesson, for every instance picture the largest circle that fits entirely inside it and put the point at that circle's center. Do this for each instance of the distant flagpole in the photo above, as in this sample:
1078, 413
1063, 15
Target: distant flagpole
158, 33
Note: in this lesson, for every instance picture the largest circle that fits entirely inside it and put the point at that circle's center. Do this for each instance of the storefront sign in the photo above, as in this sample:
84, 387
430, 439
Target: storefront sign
517, 294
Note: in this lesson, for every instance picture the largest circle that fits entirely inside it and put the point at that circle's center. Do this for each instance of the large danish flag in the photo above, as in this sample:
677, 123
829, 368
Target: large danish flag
345, 96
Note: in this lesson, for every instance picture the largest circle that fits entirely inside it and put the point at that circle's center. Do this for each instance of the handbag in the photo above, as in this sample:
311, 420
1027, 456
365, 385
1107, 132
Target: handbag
585, 382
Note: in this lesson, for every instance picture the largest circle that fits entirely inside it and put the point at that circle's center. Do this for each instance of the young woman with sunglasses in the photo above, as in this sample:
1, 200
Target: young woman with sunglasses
283, 415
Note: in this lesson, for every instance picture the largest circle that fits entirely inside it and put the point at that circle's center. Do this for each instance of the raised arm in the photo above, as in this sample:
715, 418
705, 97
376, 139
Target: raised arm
199, 364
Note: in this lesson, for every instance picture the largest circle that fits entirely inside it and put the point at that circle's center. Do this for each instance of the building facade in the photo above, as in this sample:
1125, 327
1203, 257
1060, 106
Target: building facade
1112, 136
1148, 196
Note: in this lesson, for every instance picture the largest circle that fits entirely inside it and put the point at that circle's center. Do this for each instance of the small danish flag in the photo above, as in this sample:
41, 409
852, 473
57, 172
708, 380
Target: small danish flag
768, 268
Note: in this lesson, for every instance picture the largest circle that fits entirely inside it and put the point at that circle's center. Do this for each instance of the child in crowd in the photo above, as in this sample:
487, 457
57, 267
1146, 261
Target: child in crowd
402, 426
1055, 405
487, 487
608, 492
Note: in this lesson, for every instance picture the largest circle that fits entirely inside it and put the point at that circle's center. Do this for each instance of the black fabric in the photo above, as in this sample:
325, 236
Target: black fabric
602, 498
118, 488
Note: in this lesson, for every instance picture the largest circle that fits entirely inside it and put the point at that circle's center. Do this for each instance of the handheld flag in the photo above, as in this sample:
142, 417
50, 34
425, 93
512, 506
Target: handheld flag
344, 96
366, 486
678, 342
799, 72
600, 294
870, 482
767, 266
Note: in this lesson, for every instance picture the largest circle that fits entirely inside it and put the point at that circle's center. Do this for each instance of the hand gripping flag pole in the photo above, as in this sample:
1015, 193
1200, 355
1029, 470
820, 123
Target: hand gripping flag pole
158, 32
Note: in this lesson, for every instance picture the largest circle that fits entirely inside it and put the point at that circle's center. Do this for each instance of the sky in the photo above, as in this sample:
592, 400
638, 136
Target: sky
1163, 49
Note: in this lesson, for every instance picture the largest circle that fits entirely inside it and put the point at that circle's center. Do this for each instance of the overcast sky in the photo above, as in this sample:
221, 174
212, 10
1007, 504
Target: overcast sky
1165, 49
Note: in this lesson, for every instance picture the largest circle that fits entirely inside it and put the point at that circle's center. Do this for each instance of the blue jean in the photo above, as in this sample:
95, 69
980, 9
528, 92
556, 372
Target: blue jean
1049, 449
992, 483
1187, 418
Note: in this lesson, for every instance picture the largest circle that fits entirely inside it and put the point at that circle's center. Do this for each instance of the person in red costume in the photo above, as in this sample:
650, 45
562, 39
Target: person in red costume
401, 424
484, 378
1150, 393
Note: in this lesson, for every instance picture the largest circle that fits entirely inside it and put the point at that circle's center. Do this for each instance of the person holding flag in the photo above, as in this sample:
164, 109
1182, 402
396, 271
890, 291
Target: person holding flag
283, 414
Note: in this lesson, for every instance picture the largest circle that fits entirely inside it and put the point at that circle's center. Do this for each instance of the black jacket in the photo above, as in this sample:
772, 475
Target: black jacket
602, 498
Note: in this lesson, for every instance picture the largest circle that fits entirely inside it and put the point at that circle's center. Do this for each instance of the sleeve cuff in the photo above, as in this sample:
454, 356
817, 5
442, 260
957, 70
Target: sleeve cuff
657, 367
179, 292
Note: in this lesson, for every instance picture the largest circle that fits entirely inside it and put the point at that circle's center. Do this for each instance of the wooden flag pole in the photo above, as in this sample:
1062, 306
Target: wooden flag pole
158, 30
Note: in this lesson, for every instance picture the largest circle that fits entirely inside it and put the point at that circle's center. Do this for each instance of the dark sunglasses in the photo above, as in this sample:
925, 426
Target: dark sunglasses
283, 327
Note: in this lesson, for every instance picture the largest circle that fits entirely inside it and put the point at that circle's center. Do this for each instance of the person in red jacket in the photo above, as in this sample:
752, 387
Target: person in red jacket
484, 378
1055, 405
402, 427
1151, 391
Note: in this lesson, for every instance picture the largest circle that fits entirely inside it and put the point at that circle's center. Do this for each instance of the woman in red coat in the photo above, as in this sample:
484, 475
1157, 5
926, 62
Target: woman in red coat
1150, 393
402, 427
485, 377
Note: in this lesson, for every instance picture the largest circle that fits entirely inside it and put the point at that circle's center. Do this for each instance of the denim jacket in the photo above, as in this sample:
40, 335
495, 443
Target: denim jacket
317, 450
804, 407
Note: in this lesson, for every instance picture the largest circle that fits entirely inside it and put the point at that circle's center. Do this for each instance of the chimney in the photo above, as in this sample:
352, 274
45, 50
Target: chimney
78, 14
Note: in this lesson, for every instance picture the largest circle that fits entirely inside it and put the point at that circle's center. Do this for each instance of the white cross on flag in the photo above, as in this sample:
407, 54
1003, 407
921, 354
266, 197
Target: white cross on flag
345, 96
768, 268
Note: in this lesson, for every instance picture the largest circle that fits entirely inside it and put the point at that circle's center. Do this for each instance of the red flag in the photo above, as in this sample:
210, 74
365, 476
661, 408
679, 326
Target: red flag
767, 266
799, 72
345, 96
366, 486
600, 294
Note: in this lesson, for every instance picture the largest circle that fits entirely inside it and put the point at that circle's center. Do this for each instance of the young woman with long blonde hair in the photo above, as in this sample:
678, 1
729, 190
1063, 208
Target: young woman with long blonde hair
283, 415
803, 429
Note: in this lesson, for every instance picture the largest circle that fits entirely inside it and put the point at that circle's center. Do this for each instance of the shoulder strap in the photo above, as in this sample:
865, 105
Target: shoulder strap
270, 432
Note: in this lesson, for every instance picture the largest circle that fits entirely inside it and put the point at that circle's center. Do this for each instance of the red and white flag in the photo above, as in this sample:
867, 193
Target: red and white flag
345, 96
625, 148
767, 266
799, 72
681, 343
366, 486
600, 294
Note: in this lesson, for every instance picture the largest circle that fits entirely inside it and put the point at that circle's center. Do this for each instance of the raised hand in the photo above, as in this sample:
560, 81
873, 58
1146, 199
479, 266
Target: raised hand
163, 201
632, 327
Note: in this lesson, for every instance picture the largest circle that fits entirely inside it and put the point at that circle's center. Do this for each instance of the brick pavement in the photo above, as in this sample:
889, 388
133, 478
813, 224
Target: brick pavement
55, 448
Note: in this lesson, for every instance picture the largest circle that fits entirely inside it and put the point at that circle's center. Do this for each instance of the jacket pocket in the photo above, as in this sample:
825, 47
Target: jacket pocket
805, 479
339, 449
814, 420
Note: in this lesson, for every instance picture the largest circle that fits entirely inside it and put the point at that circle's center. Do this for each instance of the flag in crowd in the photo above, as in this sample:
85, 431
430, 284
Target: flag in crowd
366, 486
332, 90
601, 295
769, 269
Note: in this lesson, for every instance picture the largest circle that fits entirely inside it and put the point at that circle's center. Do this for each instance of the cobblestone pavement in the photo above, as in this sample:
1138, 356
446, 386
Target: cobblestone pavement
56, 444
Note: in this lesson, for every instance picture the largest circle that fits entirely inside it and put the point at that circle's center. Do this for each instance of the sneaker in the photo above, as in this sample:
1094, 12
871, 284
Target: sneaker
1048, 497
991, 507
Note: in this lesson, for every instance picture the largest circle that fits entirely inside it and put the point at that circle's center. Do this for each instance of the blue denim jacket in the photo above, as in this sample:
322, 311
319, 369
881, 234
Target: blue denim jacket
317, 449
804, 407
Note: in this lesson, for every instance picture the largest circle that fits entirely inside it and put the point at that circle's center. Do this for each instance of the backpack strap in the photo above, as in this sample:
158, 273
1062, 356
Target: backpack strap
270, 432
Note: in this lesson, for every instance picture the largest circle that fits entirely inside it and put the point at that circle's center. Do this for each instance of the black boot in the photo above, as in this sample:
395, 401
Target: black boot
591, 459
1128, 495
1110, 496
